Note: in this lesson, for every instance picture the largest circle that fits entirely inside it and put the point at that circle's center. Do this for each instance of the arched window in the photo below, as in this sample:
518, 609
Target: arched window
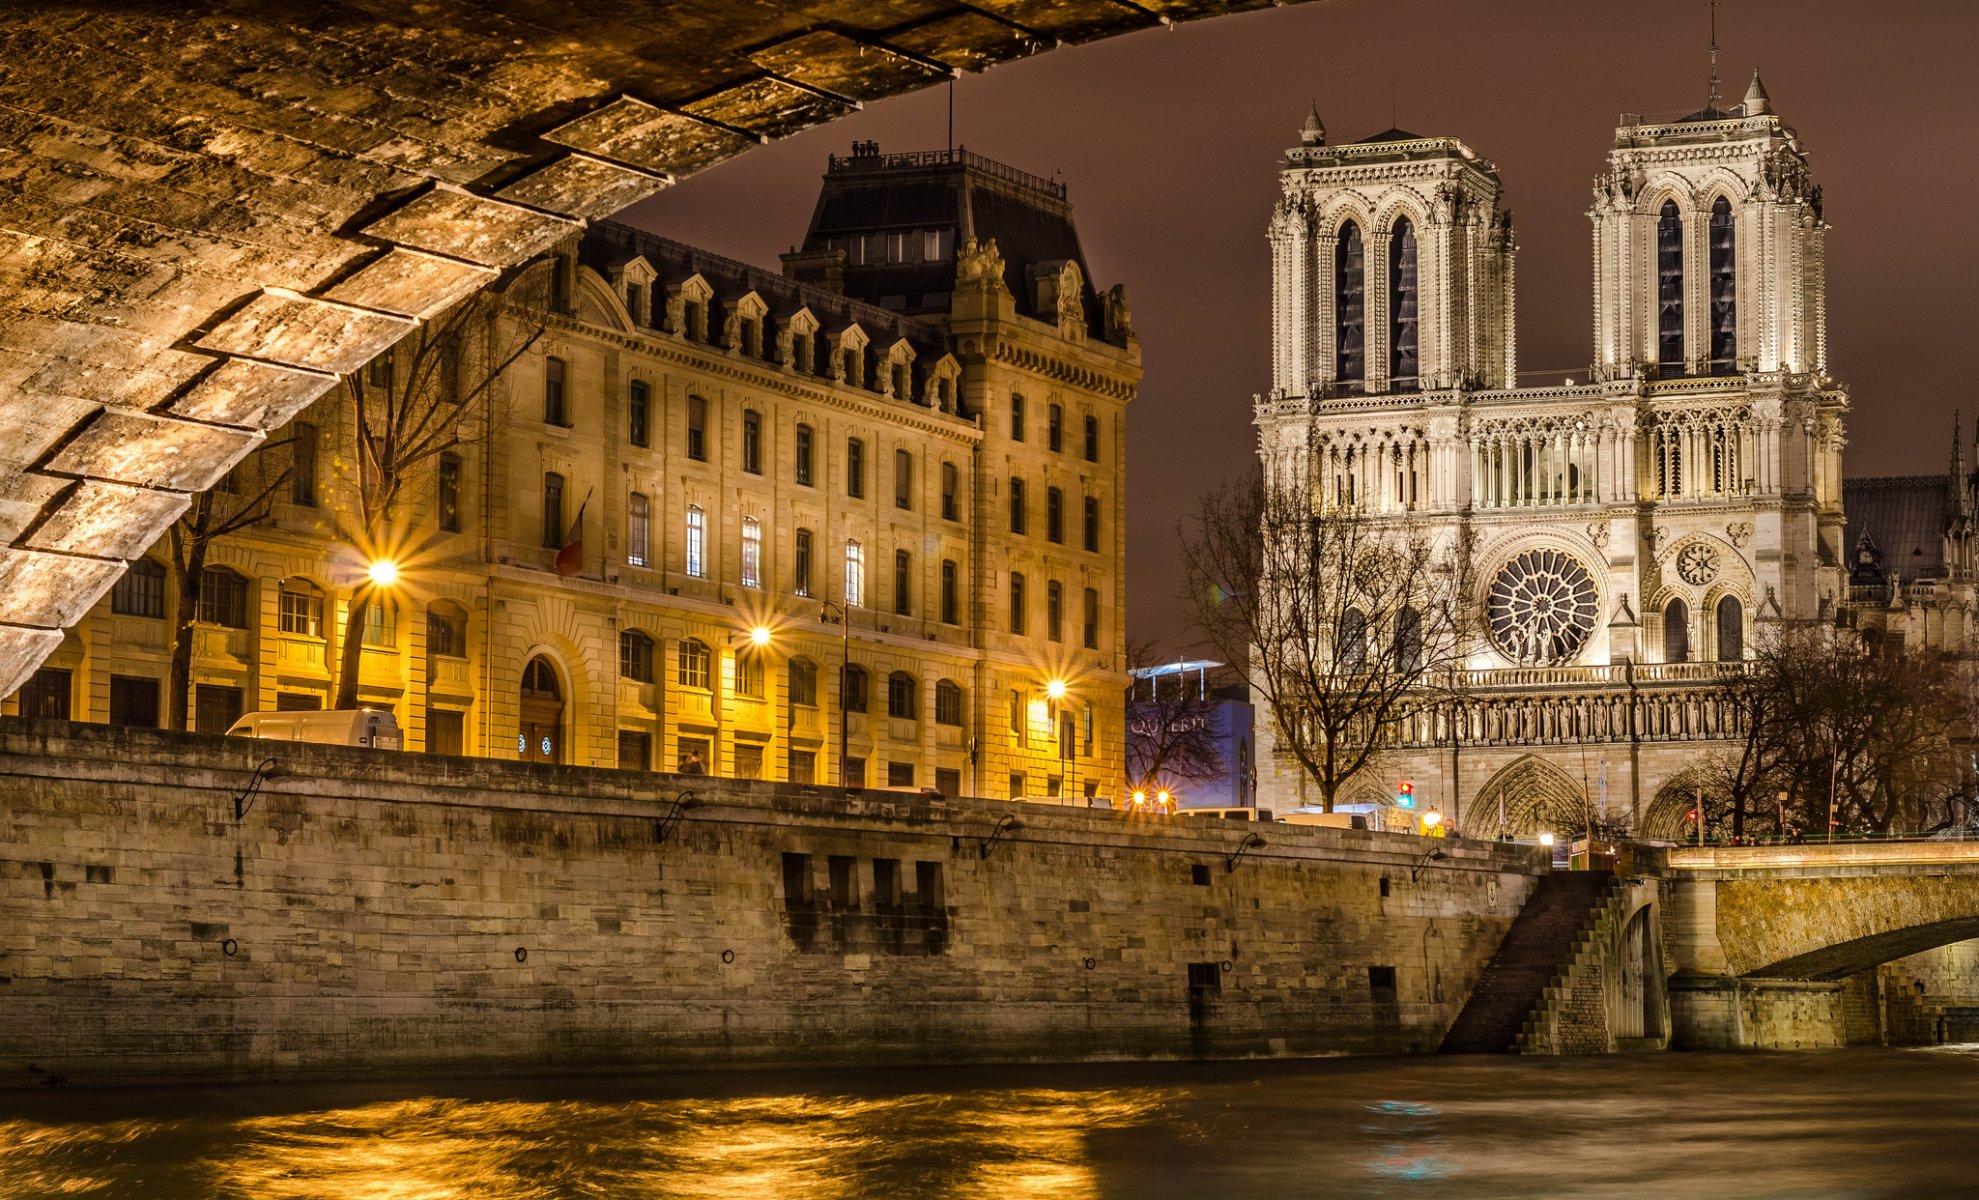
691, 663
1676, 632
1408, 641
1055, 428
749, 673
948, 703
1402, 368
902, 696
803, 683
802, 459
752, 441
141, 591
1731, 630
300, 608
1669, 292
1353, 640
635, 656
639, 413
223, 598
446, 631
1349, 311
1724, 289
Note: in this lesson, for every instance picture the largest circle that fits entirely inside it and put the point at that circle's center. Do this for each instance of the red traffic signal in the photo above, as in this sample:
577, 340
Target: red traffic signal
1691, 815
1405, 793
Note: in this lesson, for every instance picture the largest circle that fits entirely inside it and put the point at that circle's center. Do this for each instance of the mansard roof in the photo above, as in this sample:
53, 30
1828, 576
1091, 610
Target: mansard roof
606, 242
1904, 515
957, 192
1390, 135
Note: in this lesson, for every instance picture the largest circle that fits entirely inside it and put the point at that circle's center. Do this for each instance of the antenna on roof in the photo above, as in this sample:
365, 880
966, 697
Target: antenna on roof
1394, 106
951, 116
1711, 103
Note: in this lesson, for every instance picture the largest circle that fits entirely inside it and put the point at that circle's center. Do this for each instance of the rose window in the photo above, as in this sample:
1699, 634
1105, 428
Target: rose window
1542, 608
1697, 563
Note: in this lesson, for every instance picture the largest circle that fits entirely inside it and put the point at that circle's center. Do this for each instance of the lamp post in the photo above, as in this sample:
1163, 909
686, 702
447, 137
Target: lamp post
1056, 690
844, 673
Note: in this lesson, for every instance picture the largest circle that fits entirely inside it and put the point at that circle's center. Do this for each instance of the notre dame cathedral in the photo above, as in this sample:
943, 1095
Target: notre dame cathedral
1632, 529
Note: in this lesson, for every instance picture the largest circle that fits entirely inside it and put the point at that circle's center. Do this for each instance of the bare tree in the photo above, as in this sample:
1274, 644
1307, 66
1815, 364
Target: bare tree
1876, 735
1352, 627
245, 498
1171, 732
432, 394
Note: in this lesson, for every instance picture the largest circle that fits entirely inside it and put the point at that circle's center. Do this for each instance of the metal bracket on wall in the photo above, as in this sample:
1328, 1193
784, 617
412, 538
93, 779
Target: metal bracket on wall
263, 773
1251, 842
681, 803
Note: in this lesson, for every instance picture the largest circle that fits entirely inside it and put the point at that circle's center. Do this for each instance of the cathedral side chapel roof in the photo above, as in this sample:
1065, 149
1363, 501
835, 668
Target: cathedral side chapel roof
1904, 515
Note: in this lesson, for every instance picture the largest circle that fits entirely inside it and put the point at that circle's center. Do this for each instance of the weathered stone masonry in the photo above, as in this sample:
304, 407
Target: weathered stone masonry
397, 913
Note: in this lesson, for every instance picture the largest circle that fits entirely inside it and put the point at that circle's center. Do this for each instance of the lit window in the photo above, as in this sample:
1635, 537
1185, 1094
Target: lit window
638, 531
301, 608
697, 542
635, 656
855, 575
692, 664
141, 591
801, 564
752, 553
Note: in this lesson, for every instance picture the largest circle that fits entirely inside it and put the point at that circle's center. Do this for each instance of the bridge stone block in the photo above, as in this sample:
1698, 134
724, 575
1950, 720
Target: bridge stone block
968, 41
51, 591
251, 394
768, 107
21, 651
109, 520
459, 224
581, 186
154, 452
844, 66
633, 131
300, 331
410, 282
1071, 20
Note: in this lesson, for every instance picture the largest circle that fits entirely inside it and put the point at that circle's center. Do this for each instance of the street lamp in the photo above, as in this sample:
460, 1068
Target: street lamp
844, 672
760, 635
1430, 821
383, 573
1056, 691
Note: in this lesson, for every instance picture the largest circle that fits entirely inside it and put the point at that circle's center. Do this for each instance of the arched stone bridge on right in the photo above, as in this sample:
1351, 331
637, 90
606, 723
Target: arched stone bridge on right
1762, 939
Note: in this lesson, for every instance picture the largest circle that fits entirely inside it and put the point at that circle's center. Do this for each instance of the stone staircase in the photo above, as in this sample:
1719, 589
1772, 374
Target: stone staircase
1511, 1007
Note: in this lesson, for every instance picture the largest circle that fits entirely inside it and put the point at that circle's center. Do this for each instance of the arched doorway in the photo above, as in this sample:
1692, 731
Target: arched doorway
541, 736
1534, 796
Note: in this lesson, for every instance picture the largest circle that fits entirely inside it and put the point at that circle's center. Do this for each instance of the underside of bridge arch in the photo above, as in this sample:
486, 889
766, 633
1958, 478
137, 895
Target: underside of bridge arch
1848, 958
211, 210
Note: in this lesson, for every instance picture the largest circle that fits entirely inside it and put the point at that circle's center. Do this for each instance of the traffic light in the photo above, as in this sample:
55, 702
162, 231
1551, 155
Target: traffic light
1405, 793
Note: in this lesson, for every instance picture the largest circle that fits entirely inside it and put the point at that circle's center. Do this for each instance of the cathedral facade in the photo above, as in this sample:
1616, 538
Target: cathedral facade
1629, 528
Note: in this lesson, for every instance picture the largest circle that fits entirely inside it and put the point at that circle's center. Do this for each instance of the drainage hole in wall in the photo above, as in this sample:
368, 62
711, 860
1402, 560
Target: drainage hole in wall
230, 947
1090, 962
521, 954
728, 956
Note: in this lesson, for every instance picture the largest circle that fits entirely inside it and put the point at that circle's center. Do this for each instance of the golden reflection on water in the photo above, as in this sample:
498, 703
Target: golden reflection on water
1028, 1144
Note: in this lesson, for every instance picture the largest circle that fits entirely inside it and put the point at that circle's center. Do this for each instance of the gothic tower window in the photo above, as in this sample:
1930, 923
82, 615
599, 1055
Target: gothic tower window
1669, 292
1676, 632
1724, 289
1731, 630
1349, 307
1402, 369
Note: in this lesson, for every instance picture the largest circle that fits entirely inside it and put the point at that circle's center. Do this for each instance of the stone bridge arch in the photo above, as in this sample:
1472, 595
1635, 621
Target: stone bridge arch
215, 209
1761, 937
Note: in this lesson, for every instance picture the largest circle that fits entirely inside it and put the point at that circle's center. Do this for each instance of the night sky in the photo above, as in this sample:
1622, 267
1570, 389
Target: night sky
1170, 142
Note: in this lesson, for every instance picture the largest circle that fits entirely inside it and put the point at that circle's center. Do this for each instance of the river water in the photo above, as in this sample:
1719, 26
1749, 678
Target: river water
1858, 1123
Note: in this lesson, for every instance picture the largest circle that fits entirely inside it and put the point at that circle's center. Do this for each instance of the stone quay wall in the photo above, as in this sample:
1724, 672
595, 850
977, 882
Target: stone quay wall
370, 912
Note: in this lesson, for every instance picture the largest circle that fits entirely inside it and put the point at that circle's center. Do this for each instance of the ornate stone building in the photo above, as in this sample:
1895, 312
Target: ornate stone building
903, 459
1631, 526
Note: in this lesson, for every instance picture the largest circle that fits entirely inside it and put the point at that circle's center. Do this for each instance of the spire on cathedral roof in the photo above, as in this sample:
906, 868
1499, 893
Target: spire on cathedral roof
1960, 497
1757, 102
1313, 133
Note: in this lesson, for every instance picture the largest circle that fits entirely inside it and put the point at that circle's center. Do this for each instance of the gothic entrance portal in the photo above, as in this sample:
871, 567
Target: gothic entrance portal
541, 739
1533, 796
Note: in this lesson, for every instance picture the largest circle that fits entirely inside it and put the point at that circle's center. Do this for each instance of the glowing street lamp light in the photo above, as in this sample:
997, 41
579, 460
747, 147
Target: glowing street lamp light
1055, 689
1546, 840
1431, 820
760, 635
383, 573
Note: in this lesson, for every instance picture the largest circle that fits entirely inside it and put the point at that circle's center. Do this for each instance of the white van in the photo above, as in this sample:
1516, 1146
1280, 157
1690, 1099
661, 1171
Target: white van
334, 727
